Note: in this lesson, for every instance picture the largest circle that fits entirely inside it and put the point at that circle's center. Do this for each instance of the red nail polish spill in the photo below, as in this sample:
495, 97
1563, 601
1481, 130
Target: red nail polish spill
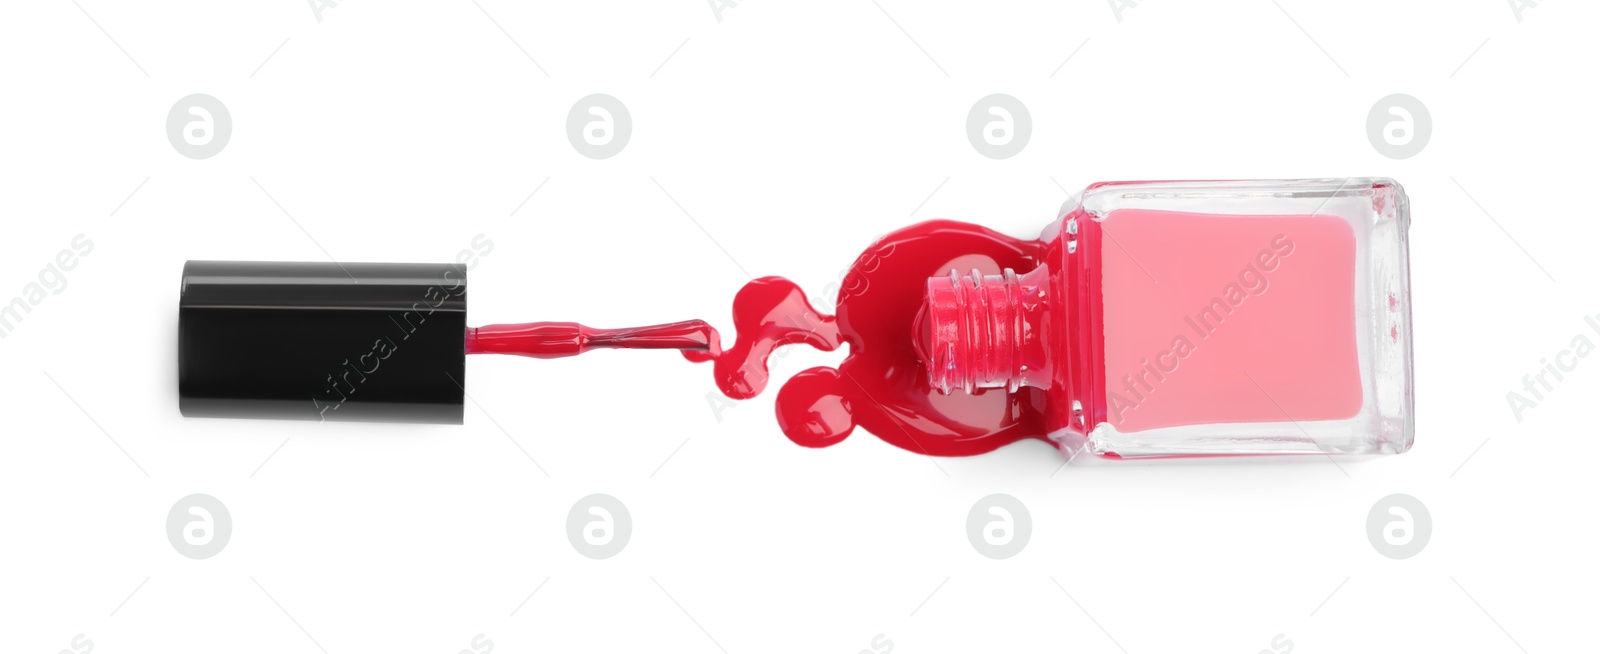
880, 386
767, 313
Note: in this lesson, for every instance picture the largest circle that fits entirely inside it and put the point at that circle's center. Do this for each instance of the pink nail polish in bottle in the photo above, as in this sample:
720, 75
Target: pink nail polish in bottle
1198, 318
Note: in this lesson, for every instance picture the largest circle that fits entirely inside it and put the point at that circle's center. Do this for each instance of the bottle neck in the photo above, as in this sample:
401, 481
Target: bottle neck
985, 331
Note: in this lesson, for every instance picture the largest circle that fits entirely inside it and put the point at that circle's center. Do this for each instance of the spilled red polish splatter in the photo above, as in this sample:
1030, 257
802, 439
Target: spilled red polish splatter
881, 386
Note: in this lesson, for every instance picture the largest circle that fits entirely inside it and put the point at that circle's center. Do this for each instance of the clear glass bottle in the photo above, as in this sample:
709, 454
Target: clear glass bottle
1199, 318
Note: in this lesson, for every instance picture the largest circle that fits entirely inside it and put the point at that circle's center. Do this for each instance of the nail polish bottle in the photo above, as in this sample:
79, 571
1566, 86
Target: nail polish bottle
1196, 318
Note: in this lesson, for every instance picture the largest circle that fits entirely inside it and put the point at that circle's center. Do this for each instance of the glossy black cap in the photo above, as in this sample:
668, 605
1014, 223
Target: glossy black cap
380, 342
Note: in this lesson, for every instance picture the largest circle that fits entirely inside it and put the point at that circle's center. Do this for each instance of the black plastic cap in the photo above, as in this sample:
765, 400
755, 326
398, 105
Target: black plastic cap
380, 342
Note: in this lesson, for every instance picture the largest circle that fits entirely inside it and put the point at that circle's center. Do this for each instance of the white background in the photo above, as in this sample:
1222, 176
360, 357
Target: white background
793, 134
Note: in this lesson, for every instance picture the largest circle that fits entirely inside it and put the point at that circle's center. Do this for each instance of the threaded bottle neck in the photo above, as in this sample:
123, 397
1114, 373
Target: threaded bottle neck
978, 331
